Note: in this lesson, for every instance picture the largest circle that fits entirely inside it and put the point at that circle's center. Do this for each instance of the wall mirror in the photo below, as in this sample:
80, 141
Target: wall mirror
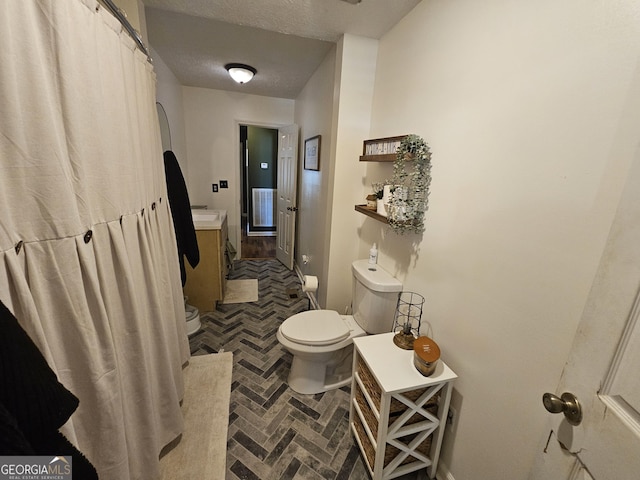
165, 132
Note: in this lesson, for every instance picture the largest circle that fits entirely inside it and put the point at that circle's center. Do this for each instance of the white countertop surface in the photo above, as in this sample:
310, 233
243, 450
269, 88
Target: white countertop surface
208, 219
393, 366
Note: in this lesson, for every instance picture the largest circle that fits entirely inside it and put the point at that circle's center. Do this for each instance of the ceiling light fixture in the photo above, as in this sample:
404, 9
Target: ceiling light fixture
240, 72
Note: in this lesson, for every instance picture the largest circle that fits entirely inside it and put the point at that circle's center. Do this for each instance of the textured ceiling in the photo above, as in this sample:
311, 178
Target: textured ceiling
285, 40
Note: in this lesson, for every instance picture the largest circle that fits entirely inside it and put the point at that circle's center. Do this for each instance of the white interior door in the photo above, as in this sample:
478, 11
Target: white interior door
286, 200
604, 364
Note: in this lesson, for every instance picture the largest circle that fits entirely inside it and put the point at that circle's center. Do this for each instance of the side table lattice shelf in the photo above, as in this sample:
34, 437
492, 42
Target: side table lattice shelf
396, 414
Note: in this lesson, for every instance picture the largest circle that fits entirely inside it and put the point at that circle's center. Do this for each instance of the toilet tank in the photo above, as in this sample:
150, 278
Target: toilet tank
375, 295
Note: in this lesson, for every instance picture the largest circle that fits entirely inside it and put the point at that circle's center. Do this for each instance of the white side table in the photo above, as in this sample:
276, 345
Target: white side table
396, 414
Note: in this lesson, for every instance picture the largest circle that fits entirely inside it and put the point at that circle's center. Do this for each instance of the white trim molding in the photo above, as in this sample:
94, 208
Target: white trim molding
443, 472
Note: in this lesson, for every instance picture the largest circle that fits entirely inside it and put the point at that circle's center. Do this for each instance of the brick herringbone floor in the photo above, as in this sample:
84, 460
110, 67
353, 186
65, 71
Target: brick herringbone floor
275, 433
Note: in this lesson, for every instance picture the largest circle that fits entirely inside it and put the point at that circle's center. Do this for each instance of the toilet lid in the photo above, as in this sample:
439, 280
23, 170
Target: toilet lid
315, 327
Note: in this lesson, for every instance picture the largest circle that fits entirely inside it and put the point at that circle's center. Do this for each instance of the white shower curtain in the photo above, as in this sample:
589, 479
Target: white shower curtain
88, 259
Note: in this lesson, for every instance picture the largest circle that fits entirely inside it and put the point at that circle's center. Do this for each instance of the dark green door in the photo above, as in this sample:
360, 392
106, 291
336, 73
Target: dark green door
261, 178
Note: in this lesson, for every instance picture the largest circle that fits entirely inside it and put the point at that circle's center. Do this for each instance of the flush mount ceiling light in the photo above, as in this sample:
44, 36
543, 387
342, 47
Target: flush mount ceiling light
240, 72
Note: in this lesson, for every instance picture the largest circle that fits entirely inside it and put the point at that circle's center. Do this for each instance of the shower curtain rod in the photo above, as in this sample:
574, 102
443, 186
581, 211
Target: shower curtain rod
122, 17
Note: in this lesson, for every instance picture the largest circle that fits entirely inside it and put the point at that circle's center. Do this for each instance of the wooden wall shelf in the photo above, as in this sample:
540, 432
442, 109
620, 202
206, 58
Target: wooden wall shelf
387, 157
381, 149
371, 213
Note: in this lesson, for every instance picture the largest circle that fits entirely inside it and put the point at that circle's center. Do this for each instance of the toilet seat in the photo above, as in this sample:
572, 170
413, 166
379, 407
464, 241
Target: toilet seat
315, 327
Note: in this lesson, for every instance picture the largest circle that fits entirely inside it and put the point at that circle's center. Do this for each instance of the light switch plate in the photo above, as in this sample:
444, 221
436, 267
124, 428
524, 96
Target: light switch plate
224, 184
214, 187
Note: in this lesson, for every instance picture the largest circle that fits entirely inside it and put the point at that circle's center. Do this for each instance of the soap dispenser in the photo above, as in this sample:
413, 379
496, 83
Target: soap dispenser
373, 254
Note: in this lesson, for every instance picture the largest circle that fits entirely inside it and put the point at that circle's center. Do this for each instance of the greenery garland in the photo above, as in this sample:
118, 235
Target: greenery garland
410, 188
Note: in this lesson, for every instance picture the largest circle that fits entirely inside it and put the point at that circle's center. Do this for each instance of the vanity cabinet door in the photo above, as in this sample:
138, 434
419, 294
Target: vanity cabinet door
205, 283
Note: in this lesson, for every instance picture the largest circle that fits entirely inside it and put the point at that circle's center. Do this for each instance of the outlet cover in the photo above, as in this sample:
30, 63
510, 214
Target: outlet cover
214, 187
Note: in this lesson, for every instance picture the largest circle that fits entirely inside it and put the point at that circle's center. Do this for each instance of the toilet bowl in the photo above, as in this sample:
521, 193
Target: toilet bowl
193, 319
321, 341
321, 344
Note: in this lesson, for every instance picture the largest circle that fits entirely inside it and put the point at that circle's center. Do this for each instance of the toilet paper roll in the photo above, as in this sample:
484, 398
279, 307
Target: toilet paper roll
310, 283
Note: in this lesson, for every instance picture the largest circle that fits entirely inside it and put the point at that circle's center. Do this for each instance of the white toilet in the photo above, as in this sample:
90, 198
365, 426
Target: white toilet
192, 315
321, 340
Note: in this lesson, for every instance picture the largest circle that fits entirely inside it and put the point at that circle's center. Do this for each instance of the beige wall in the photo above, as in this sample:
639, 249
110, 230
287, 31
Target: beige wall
314, 115
354, 77
134, 10
531, 110
212, 120
169, 94
335, 103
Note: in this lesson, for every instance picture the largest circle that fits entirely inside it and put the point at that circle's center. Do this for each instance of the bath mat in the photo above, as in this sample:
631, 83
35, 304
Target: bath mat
201, 451
241, 291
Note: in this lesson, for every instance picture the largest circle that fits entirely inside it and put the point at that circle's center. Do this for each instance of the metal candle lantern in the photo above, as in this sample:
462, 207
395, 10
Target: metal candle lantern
407, 319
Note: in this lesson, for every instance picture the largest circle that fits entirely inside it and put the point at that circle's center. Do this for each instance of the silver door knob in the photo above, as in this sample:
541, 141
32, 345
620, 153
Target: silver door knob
567, 403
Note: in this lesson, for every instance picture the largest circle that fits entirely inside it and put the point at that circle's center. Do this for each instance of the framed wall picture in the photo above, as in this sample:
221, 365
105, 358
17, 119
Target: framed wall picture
312, 153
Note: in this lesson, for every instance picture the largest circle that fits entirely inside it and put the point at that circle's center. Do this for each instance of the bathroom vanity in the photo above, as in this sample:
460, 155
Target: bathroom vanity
206, 283
396, 414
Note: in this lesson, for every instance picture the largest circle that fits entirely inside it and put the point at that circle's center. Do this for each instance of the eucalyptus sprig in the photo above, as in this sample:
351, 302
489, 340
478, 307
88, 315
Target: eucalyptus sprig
378, 189
410, 198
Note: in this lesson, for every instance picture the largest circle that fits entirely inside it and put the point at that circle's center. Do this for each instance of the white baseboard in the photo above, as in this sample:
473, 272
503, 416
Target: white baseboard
443, 472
